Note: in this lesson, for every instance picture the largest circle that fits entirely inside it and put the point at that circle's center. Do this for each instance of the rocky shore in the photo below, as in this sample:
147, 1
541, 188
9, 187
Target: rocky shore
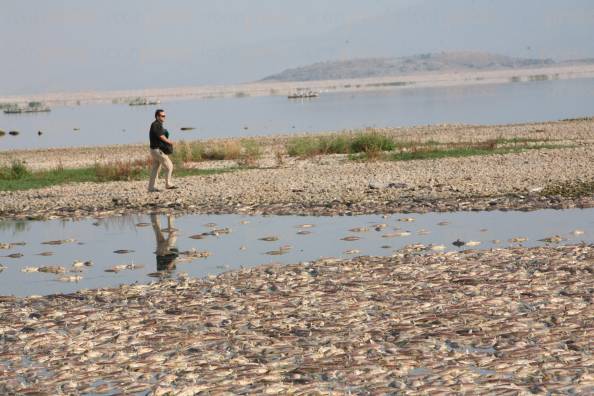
505, 321
333, 185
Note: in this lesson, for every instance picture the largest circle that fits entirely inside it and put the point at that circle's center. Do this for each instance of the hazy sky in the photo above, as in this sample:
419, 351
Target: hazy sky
71, 45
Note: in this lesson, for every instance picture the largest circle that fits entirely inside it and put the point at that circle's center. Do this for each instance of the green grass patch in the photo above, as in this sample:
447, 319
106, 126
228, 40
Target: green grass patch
362, 142
245, 151
139, 170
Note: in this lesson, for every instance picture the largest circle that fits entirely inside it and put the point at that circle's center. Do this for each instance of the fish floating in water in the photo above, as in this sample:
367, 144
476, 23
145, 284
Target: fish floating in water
407, 219
350, 238
303, 232
270, 238
396, 234
59, 242
143, 224
15, 255
517, 240
45, 254
352, 251
553, 239
123, 251
443, 223
70, 278
577, 232
306, 226
473, 243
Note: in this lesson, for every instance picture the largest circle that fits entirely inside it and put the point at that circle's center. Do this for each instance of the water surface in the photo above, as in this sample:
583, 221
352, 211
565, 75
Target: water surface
97, 239
105, 124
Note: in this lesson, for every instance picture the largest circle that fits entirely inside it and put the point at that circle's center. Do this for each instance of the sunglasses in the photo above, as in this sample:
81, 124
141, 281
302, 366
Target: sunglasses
162, 115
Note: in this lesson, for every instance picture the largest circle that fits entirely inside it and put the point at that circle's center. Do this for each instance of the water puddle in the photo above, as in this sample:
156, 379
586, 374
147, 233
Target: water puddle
62, 256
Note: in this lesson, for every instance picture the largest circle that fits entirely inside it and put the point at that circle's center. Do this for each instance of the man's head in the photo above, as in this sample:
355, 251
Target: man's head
160, 115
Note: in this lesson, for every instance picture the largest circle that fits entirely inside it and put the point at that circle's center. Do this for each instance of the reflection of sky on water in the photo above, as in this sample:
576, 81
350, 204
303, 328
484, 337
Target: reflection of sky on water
229, 117
97, 239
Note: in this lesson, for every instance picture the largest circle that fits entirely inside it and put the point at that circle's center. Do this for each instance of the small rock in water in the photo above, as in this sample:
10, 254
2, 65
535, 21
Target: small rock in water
458, 243
30, 269
243, 247
15, 255
306, 226
379, 227
352, 251
396, 234
443, 223
2, 268
386, 247
496, 241
187, 128
407, 219
13, 133
143, 224
473, 243
303, 232
517, 240
423, 232
210, 225
437, 247
350, 238
244, 222
483, 230
39, 133
197, 236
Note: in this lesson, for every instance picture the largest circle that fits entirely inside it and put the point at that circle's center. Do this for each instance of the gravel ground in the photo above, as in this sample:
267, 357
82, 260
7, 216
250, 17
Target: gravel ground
334, 184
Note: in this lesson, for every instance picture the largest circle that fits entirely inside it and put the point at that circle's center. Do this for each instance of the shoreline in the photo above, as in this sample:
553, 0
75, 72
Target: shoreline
333, 184
408, 81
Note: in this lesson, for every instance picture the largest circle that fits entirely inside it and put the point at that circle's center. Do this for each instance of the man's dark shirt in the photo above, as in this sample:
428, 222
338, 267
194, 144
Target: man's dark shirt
155, 132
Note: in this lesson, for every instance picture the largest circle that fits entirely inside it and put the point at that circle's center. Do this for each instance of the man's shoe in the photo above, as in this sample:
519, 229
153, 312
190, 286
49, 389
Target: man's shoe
171, 187
154, 190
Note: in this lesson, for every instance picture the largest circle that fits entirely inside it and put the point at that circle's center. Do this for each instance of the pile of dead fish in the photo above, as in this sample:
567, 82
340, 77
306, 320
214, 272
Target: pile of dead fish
504, 321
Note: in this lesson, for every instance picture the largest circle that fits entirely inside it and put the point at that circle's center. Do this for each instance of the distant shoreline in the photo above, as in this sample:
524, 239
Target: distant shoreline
272, 88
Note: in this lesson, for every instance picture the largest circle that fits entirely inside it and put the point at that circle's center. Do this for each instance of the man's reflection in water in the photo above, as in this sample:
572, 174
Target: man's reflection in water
166, 251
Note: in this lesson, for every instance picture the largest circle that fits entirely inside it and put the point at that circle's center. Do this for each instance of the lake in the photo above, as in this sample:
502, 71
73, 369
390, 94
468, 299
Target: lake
108, 124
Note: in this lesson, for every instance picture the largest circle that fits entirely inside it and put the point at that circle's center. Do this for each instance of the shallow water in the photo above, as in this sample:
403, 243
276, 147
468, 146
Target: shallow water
97, 239
105, 124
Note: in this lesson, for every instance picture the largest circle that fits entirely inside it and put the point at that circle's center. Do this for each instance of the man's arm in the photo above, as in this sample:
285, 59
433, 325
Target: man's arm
163, 138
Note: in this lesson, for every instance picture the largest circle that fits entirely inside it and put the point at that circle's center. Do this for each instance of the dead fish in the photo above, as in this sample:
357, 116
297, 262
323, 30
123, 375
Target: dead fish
396, 234
187, 128
386, 246
78, 264
443, 223
379, 227
76, 129
406, 219
143, 224
169, 229
577, 232
18, 244
123, 251
45, 254
473, 243
58, 242
458, 243
553, 239
52, 269
483, 230
210, 225
2, 268
70, 278
30, 269
157, 274
243, 247
278, 252
352, 251
196, 236
303, 232
359, 229
15, 255
244, 222
271, 238
423, 231
117, 268
4, 245
350, 238
88, 263
134, 266
517, 240
437, 247
306, 226
495, 241
219, 231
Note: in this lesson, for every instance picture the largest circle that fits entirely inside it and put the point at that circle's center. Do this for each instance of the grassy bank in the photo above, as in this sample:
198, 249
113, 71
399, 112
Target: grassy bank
371, 145
18, 177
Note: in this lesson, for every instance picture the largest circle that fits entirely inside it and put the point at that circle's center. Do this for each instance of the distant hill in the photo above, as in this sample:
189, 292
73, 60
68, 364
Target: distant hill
383, 67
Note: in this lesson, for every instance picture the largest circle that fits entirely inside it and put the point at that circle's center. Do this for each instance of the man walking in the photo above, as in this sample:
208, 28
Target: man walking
159, 138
